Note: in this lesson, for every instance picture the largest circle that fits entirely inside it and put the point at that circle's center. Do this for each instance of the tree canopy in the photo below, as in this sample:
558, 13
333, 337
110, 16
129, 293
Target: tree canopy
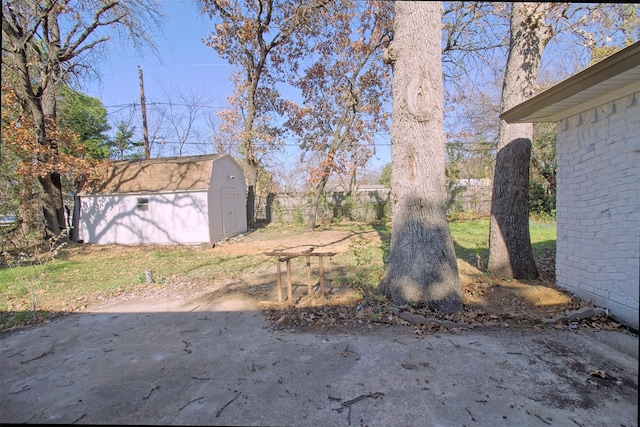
86, 118
345, 92
45, 44
258, 38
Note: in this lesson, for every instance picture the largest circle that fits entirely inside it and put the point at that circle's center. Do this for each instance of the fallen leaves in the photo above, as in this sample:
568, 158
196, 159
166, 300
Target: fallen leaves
600, 322
597, 373
487, 303
363, 317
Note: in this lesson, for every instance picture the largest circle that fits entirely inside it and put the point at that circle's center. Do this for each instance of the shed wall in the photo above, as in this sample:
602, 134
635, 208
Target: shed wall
119, 219
598, 206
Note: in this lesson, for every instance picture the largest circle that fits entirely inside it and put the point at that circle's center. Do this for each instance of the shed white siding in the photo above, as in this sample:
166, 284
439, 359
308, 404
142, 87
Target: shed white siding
180, 200
122, 219
598, 206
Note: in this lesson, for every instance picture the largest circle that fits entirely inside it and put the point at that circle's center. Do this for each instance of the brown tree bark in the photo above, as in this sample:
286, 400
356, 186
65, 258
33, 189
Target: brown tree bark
52, 205
510, 252
422, 265
40, 101
315, 201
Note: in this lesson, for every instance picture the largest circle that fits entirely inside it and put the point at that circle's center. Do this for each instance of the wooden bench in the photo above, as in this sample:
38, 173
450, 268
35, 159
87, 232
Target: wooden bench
287, 256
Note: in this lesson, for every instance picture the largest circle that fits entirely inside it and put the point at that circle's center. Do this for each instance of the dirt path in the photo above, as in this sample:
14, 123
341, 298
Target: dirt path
277, 239
488, 302
253, 286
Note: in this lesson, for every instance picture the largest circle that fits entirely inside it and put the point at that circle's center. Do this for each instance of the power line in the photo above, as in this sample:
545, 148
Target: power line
136, 105
214, 64
163, 142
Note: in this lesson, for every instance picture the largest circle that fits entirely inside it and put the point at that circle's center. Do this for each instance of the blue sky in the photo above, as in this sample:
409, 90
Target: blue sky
185, 62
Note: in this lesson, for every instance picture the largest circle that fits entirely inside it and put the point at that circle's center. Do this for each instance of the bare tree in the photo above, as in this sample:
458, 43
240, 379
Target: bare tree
291, 177
256, 36
181, 112
222, 130
46, 43
510, 253
344, 93
532, 27
422, 264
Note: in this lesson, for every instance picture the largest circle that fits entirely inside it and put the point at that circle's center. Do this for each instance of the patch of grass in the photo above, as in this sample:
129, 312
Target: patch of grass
83, 271
367, 264
16, 319
92, 271
543, 235
471, 238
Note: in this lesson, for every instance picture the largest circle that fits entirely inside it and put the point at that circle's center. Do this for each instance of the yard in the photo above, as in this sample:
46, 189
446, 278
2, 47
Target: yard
82, 277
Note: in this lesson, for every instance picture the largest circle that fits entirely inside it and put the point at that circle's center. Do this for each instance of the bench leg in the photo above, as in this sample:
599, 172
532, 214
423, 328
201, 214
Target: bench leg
289, 290
279, 273
321, 268
308, 275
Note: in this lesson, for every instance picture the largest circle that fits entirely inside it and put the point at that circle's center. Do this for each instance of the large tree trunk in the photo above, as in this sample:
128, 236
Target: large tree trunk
252, 170
422, 264
52, 201
52, 205
42, 110
252, 165
510, 252
315, 201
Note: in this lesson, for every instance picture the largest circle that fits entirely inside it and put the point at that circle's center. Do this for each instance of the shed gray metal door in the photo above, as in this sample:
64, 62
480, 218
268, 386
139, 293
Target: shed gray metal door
229, 220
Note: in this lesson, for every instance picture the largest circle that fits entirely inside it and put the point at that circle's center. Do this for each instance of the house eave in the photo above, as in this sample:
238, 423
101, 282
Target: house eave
614, 77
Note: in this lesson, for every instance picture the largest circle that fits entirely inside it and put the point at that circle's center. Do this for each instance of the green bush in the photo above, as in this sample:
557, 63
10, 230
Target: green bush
299, 218
540, 201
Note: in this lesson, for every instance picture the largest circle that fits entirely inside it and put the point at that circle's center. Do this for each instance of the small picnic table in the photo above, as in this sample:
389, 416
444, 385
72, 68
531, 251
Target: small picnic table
286, 256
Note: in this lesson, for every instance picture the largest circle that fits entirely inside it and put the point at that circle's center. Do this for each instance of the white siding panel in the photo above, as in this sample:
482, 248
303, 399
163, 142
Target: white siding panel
170, 218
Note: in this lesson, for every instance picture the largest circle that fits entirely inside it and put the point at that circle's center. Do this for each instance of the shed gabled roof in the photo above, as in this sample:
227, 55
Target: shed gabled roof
164, 174
612, 78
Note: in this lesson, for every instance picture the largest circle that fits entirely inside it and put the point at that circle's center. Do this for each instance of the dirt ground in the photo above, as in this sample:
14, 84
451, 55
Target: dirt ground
487, 301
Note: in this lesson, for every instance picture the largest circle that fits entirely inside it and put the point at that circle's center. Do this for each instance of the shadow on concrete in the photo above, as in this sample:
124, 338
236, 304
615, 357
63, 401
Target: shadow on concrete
224, 365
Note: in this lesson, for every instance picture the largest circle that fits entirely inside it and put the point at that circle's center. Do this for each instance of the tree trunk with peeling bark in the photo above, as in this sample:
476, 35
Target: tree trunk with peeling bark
422, 265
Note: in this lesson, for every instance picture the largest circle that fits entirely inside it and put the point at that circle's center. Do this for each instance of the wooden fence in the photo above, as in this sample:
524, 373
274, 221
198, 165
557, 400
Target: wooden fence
364, 205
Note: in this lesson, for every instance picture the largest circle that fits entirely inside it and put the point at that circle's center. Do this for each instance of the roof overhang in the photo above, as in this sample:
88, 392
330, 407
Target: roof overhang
614, 77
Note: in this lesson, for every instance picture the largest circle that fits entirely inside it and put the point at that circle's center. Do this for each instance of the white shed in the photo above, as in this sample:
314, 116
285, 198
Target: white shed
597, 113
187, 200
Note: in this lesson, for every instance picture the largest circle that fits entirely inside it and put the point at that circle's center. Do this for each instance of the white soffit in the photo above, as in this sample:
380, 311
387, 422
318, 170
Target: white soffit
609, 79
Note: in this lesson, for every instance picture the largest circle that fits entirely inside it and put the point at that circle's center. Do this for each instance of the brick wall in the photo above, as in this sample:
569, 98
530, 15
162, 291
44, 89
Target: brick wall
598, 206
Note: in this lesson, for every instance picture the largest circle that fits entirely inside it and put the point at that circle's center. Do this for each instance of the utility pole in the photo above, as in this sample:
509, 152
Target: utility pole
145, 129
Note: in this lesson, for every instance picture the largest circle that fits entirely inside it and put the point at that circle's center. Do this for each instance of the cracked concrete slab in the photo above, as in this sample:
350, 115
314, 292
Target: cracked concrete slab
221, 364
